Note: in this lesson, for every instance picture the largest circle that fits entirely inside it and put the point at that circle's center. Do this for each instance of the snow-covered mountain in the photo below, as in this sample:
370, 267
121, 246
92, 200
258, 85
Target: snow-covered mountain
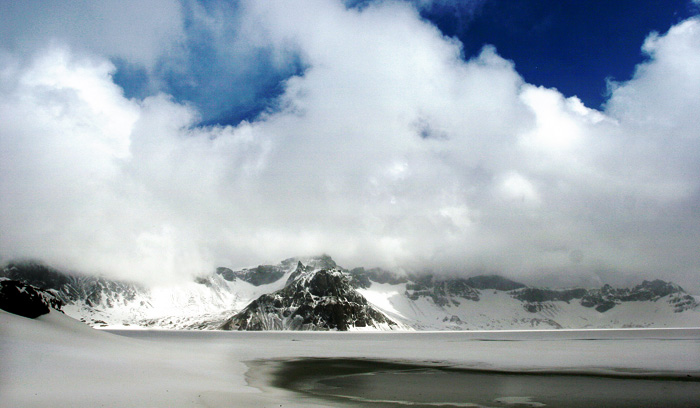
204, 303
496, 303
315, 293
311, 300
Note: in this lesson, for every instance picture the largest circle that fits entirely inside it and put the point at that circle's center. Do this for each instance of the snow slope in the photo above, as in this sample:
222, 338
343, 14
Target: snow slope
498, 310
59, 362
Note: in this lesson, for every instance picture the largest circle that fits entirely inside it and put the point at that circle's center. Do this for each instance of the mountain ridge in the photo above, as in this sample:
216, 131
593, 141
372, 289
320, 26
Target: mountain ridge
388, 300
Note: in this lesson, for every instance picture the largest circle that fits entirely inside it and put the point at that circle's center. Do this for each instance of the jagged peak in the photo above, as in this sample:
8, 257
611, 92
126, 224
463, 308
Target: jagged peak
323, 261
659, 287
300, 270
308, 275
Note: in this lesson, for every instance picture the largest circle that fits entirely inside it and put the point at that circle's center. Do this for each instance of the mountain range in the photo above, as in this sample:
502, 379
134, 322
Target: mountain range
317, 294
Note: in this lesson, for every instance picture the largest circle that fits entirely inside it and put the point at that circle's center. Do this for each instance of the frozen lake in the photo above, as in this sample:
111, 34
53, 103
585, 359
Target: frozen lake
562, 368
384, 384
58, 362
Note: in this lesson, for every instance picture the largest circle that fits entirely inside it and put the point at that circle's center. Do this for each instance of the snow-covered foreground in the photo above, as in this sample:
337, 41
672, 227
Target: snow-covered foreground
58, 362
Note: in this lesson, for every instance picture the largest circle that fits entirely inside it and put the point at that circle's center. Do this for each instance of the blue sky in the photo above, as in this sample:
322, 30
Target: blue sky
573, 46
549, 141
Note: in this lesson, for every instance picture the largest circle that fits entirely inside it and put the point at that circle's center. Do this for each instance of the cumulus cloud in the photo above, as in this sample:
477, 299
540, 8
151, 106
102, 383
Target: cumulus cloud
115, 28
388, 150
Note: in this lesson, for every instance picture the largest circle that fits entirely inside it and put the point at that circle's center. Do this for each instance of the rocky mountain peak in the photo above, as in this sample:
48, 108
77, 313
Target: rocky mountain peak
299, 271
656, 289
321, 262
266, 274
313, 300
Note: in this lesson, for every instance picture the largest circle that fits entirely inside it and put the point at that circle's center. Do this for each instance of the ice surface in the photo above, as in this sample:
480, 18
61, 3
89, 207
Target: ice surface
58, 362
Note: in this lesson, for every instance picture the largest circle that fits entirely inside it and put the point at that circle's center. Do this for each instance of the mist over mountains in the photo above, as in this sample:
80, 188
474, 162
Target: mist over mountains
317, 294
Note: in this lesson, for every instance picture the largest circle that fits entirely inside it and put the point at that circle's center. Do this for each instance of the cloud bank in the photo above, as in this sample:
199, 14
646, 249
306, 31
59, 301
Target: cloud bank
389, 149
124, 28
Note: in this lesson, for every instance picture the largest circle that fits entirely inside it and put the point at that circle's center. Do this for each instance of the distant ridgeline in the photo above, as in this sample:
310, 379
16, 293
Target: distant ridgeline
317, 294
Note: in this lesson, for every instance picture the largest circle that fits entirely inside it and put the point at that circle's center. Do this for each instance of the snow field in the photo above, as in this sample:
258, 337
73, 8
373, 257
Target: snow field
56, 361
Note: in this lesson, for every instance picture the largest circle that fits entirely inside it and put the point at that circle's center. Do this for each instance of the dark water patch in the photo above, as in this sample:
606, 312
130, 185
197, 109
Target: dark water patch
369, 383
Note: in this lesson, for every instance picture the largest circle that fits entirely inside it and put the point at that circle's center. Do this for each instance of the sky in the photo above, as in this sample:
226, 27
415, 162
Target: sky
548, 141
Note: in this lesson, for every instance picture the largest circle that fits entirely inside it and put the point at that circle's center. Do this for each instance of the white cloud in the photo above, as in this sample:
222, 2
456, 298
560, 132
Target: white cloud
518, 188
389, 150
653, 97
139, 31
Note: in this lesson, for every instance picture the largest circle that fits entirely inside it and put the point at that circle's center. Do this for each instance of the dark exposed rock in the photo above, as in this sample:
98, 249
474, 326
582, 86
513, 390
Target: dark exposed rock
363, 278
682, 302
604, 306
607, 297
26, 300
652, 290
359, 278
442, 292
534, 298
532, 295
545, 322
452, 319
260, 275
71, 288
602, 299
300, 269
226, 273
36, 274
493, 282
266, 274
533, 307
